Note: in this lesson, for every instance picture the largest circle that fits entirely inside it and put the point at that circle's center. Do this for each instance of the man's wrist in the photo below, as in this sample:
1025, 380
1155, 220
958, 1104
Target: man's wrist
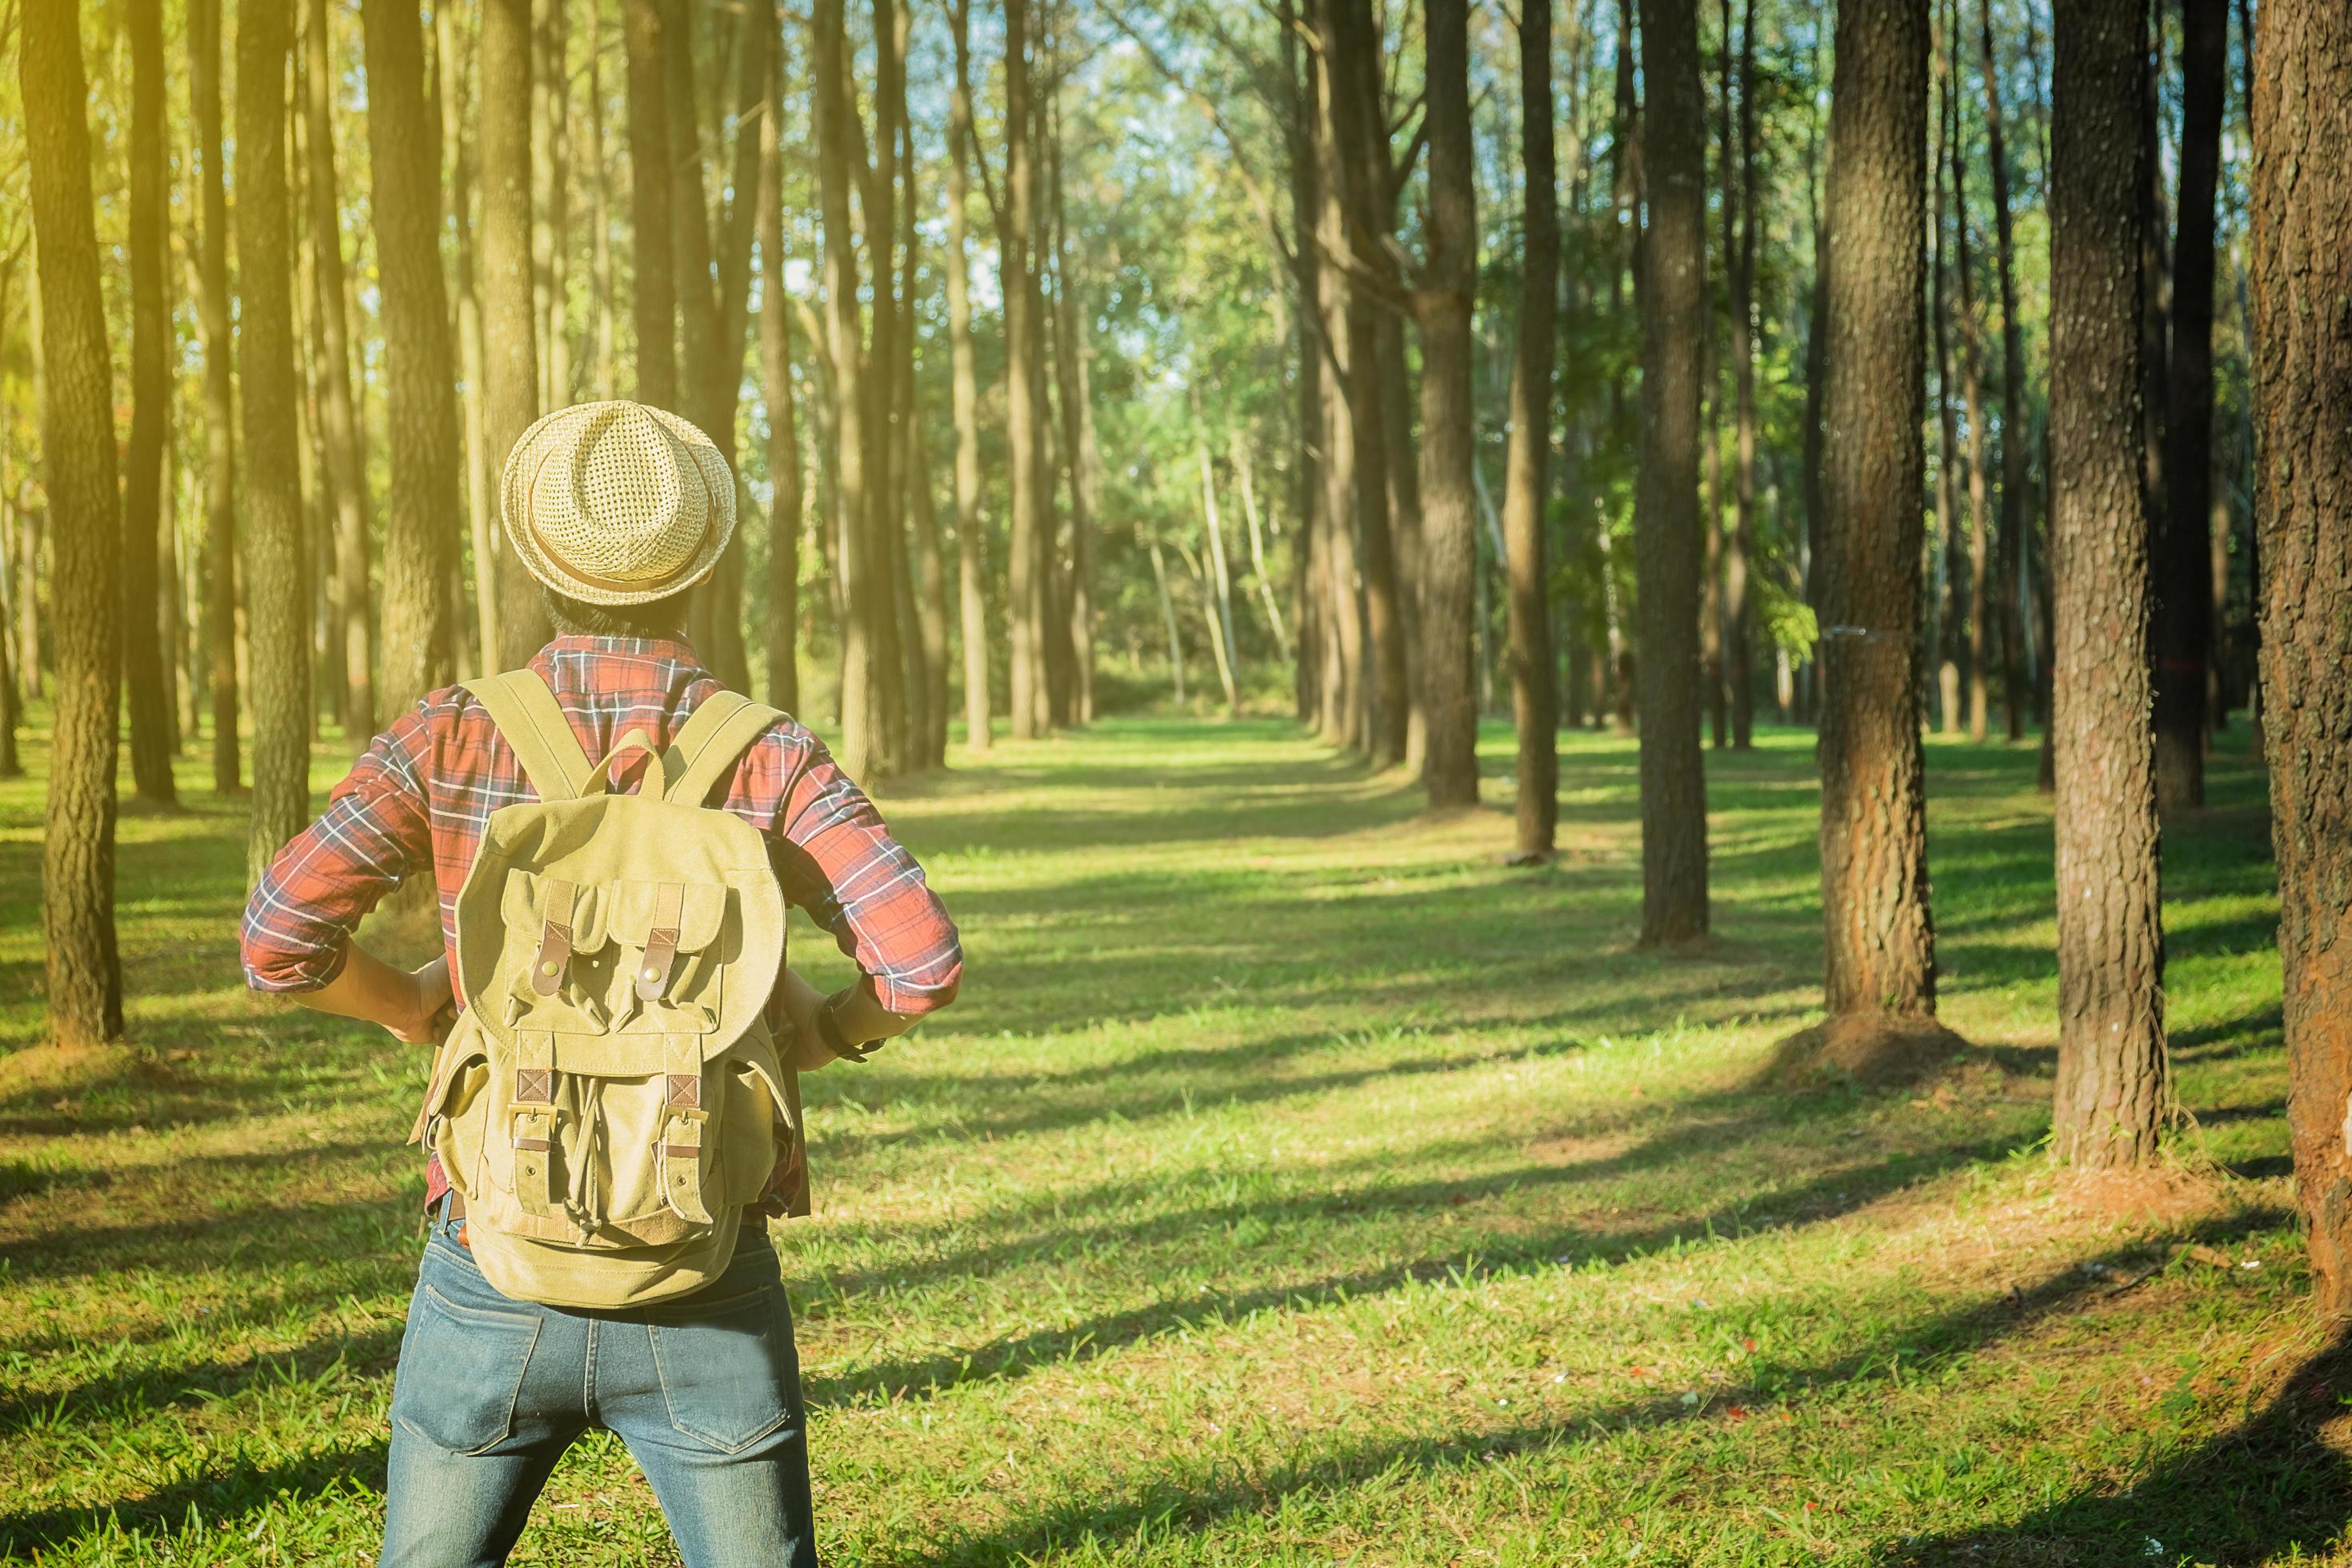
829, 1032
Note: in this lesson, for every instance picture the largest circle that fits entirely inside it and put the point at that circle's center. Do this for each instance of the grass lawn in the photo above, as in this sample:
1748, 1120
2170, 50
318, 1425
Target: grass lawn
1292, 1183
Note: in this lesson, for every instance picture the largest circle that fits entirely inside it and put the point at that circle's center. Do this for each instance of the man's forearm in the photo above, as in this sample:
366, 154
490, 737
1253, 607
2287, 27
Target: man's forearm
375, 992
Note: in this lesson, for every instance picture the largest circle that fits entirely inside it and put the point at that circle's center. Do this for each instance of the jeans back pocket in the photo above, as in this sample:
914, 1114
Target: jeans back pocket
727, 1371
461, 1371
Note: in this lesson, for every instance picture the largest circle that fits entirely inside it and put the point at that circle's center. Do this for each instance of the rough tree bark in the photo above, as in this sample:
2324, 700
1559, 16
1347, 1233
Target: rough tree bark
2182, 558
1983, 639
2112, 1091
2300, 208
1667, 546
1346, 704
220, 408
1535, 698
1879, 947
420, 542
510, 312
1071, 352
1450, 282
278, 645
151, 387
84, 973
339, 422
480, 506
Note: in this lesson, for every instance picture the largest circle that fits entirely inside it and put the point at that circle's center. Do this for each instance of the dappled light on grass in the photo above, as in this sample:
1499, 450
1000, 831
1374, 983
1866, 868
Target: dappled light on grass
1292, 1182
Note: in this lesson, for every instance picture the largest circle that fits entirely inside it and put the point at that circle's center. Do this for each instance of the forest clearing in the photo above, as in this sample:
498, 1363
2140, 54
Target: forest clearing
1303, 1186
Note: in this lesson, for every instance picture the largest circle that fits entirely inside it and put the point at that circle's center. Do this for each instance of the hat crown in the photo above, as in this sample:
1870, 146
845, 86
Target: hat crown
618, 502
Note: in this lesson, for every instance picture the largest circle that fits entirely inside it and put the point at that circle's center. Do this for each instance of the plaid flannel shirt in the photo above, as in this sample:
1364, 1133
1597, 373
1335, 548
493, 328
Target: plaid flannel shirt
423, 792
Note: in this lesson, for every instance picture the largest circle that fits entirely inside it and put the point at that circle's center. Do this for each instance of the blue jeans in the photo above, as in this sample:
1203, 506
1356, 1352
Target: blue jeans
490, 1392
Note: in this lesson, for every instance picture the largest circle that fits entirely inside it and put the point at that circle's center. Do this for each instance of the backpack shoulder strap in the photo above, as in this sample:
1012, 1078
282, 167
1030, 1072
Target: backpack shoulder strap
710, 740
532, 722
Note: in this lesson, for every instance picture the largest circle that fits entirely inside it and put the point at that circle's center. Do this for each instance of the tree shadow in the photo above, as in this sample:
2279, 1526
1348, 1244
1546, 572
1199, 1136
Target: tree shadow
1920, 1344
213, 1496
2279, 1483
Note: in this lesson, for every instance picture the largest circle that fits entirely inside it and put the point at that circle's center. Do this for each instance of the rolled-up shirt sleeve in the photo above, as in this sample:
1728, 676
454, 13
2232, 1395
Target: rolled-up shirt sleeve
838, 862
373, 834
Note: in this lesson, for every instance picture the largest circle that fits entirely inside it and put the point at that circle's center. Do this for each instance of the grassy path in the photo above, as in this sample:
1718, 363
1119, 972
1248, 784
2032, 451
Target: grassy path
1293, 1184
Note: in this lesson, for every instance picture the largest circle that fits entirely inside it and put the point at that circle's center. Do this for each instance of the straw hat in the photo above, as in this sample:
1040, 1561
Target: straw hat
618, 503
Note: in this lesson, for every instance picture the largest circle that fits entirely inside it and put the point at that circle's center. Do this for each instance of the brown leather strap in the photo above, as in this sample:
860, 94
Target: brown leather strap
554, 939
661, 942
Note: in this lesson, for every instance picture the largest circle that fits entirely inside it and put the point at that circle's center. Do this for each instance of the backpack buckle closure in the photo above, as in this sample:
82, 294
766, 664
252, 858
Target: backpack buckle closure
554, 939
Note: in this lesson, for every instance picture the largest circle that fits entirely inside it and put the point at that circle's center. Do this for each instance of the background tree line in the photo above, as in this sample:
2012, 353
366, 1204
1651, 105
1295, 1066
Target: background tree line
1660, 365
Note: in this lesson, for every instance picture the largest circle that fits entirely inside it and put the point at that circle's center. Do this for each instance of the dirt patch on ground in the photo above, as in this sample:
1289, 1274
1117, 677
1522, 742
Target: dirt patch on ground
1875, 1051
37, 1069
2158, 1196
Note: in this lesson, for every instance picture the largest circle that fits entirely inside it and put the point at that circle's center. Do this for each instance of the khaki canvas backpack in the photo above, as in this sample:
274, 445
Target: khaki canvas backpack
611, 1099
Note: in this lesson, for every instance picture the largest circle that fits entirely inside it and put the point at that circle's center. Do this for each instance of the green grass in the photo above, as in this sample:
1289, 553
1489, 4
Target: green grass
1292, 1183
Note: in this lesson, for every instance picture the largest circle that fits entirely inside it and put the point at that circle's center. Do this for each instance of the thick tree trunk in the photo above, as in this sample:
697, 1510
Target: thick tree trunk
1450, 284
84, 973
2301, 102
1879, 934
784, 506
1667, 545
2112, 1091
220, 553
339, 423
275, 550
510, 312
1024, 431
1534, 699
150, 387
1346, 704
971, 570
2182, 558
421, 412
2014, 456
653, 299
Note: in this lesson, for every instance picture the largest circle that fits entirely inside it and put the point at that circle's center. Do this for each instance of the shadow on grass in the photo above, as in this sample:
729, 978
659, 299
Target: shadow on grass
2276, 1485
1163, 1502
215, 1496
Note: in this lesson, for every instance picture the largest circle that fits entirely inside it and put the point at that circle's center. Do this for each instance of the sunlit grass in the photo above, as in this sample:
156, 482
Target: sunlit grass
1294, 1182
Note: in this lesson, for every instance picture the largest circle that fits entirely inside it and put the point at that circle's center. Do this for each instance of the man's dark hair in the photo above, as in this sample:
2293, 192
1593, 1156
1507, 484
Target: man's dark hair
571, 617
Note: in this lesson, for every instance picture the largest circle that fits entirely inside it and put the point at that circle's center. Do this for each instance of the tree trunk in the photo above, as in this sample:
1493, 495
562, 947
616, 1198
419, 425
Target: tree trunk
1879, 933
2301, 102
1258, 569
1949, 621
1738, 616
1535, 701
279, 653
510, 312
1070, 354
1982, 643
1667, 546
860, 714
2112, 1091
653, 299
972, 568
480, 504
151, 387
784, 507
1168, 616
84, 973
421, 413
1024, 432
2007, 556
338, 420
220, 553
600, 207
1450, 285
2182, 558
1220, 605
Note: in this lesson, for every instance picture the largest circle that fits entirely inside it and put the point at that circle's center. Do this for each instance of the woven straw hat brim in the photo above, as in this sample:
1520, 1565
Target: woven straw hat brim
538, 462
